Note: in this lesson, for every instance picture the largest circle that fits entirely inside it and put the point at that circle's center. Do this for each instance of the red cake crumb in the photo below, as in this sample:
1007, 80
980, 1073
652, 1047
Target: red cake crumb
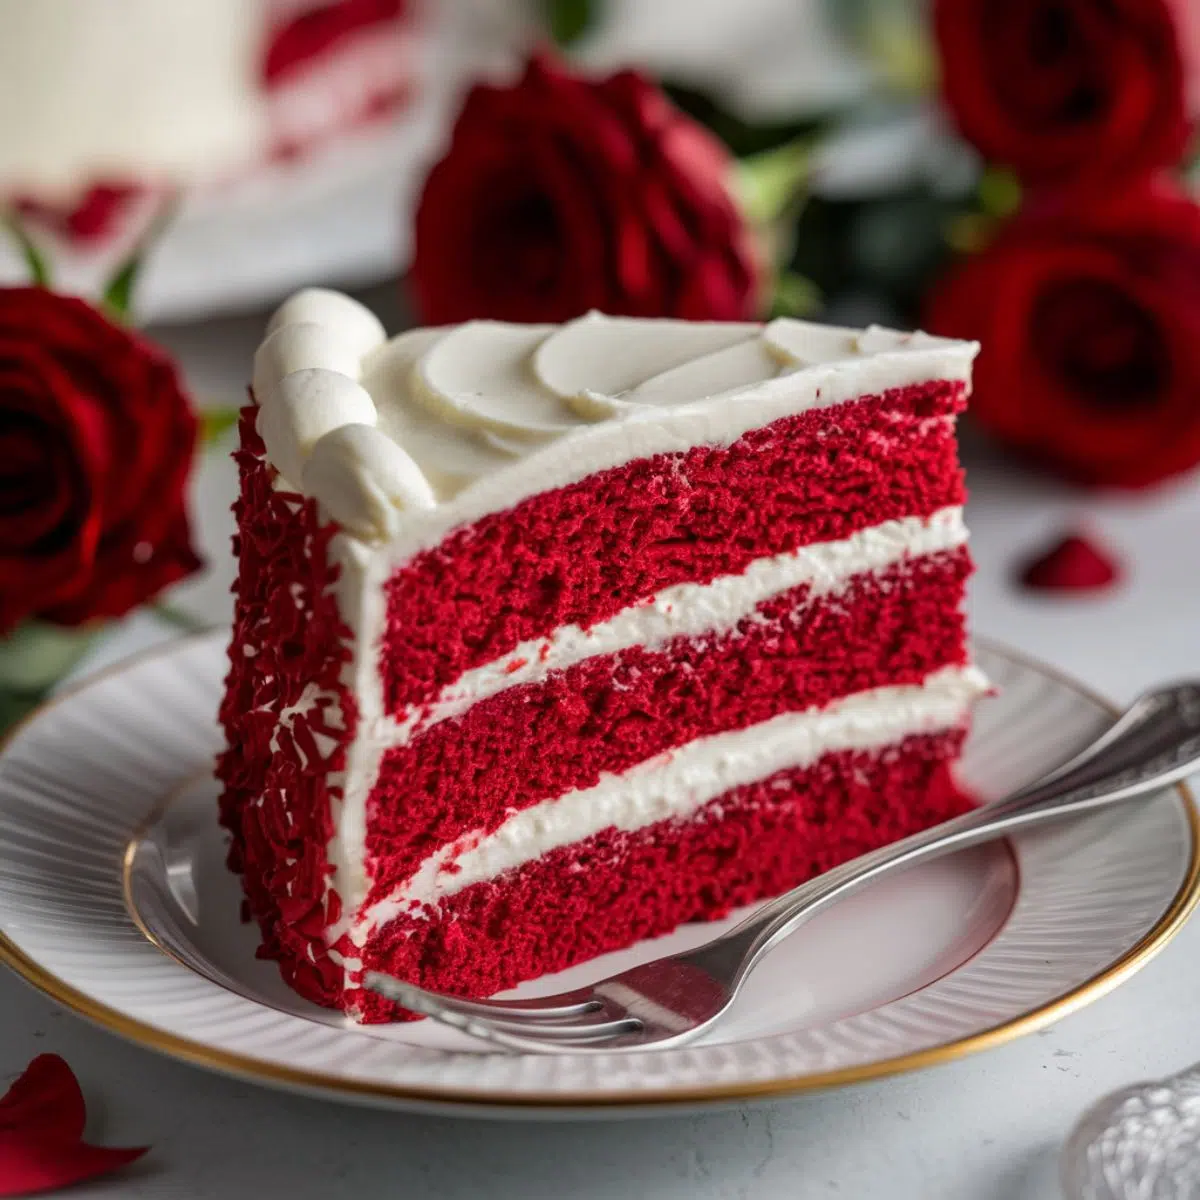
610, 712
619, 887
579, 554
288, 636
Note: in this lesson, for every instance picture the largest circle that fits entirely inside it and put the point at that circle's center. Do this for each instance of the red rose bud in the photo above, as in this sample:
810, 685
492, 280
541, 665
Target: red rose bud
41, 1133
1088, 311
561, 194
96, 442
1071, 89
1073, 564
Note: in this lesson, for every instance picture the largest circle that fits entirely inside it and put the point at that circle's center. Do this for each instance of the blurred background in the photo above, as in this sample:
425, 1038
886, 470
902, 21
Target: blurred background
310, 144
1023, 174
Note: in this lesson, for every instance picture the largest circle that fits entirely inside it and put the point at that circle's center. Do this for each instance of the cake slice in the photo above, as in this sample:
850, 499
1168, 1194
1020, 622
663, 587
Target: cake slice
551, 638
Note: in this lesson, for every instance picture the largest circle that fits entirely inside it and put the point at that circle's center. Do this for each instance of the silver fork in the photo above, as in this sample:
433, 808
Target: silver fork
674, 999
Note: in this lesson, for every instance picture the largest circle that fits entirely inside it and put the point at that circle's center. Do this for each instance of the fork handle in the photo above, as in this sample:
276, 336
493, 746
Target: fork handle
1154, 744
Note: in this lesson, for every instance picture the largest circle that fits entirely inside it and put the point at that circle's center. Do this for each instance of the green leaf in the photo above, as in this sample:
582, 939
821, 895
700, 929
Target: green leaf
37, 654
773, 182
795, 295
117, 298
568, 20
1191, 168
119, 294
999, 192
215, 423
14, 707
35, 260
180, 619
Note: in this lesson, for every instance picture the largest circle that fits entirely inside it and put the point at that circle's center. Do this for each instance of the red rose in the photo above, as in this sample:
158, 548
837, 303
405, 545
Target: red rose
96, 441
1088, 311
560, 194
1071, 88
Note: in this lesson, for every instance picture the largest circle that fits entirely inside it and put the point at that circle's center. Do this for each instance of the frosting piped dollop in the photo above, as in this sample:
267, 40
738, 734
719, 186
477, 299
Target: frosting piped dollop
478, 376
295, 347
303, 407
354, 324
365, 480
595, 360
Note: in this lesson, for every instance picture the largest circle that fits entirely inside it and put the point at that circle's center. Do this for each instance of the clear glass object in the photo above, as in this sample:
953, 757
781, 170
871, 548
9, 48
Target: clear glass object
1139, 1143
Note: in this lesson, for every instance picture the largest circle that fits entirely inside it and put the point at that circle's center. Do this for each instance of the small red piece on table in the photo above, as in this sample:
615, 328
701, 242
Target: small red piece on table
41, 1133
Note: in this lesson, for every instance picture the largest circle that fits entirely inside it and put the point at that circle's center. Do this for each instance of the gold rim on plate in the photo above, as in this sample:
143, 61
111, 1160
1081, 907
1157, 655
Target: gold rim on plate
247, 1067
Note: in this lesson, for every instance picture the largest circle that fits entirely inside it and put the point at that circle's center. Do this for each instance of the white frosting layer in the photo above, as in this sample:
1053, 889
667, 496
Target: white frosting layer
491, 413
693, 609
680, 783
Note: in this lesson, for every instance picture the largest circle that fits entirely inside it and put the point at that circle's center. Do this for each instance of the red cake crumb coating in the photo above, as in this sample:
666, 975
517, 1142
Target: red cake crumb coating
610, 712
579, 554
619, 887
287, 635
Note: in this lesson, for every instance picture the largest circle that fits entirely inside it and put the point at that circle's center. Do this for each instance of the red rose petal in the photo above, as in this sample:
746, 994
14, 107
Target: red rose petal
31, 1163
45, 1099
1073, 564
41, 1122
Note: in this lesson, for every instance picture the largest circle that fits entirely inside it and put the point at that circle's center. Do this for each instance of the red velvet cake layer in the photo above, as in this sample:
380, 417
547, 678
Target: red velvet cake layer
619, 887
610, 712
579, 554
288, 637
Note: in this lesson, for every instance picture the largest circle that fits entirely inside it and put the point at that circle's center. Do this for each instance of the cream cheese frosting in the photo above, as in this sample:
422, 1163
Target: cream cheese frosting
489, 413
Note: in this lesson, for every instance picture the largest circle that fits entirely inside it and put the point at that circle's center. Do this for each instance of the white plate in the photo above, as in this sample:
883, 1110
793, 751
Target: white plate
108, 838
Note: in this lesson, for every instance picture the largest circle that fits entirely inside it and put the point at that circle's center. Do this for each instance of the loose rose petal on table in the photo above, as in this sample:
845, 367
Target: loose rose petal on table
46, 1098
1074, 563
41, 1123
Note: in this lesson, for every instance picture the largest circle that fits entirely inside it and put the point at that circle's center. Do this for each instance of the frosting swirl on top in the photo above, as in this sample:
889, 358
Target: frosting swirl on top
437, 410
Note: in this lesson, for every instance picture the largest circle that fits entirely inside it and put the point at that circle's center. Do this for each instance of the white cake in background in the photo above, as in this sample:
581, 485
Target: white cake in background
297, 131
165, 90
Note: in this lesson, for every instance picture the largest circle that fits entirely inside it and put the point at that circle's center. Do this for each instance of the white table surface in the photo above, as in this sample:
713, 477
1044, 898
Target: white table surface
988, 1126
